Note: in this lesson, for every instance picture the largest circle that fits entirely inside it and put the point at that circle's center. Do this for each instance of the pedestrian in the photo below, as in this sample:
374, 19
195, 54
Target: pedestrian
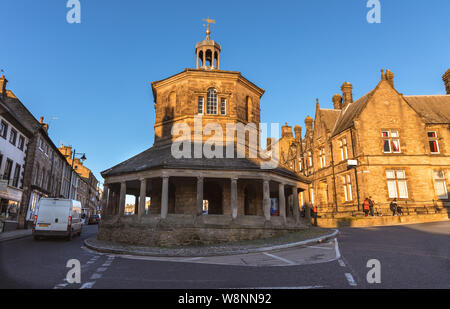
371, 205
399, 211
314, 210
366, 206
393, 206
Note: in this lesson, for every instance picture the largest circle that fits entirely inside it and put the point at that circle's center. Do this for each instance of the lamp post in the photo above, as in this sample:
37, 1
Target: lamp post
83, 157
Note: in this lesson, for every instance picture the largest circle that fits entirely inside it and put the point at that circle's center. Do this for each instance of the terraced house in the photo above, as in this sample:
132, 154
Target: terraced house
385, 145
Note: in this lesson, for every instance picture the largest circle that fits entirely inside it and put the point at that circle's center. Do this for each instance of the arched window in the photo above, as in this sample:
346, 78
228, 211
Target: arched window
211, 102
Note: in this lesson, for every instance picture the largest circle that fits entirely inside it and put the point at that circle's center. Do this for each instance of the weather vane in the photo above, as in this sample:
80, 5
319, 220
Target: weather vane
209, 21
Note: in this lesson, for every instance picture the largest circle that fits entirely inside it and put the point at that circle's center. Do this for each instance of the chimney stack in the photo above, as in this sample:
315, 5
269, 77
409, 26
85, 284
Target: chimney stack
44, 125
298, 133
347, 93
309, 124
337, 101
3, 82
390, 77
446, 79
286, 131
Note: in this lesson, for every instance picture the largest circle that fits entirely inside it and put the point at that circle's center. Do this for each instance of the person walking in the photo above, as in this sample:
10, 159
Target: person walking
371, 205
314, 213
393, 206
366, 206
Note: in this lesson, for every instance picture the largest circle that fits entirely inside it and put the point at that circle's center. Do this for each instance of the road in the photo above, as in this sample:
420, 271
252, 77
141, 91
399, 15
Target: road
410, 256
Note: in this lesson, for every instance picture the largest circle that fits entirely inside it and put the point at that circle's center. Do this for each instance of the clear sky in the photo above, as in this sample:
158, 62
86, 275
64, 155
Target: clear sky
95, 76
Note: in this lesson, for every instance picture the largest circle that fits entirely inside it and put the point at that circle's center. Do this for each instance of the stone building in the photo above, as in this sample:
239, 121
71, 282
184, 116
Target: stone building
87, 192
14, 138
385, 145
45, 167
195, 196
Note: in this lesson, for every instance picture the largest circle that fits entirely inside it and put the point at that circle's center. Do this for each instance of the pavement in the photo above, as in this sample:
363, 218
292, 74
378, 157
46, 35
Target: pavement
271, 244
16, 234
410, 256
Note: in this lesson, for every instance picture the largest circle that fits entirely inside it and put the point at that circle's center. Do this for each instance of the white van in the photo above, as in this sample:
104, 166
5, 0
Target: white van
57, 217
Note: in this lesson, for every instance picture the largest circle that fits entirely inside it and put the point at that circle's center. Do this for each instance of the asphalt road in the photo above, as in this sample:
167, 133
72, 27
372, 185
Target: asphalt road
410, 256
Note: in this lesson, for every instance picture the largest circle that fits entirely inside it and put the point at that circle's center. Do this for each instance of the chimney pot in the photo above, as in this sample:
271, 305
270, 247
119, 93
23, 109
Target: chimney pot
446, 79
337, 101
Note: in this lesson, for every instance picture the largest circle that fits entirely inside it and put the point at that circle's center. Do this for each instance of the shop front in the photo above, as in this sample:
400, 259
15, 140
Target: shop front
10, 198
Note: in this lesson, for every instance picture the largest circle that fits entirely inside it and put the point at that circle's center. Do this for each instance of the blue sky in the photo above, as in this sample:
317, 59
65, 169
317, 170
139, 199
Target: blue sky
95, 76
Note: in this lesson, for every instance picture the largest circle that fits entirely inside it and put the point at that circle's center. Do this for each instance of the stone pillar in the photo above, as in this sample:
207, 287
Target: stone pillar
142, 197
266, 199
296, 210
234, 206
105, 200
136, 204
282, 201
165, 197
123, 192
199, 208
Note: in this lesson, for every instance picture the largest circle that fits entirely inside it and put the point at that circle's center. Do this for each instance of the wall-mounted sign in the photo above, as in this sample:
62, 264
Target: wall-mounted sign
352, 163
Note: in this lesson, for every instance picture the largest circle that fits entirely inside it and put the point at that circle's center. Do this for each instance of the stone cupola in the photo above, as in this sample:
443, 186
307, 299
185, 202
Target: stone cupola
208, 51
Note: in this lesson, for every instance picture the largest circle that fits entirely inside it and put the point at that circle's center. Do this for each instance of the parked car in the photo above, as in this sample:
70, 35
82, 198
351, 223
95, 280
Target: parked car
57, 217
94, 219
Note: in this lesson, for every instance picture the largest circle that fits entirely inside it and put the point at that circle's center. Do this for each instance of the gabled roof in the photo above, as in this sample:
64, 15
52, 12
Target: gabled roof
329, 117
435, 109
351, 111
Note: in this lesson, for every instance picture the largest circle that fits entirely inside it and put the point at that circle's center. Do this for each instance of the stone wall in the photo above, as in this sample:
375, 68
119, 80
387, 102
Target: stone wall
185, 230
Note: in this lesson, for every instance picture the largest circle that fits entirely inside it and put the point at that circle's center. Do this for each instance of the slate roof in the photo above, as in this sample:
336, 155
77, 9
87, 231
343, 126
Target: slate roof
435, 109
161, 158
329, 117
350, 112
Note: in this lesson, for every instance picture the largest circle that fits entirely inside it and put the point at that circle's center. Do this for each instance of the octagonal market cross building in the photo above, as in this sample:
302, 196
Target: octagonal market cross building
202, 199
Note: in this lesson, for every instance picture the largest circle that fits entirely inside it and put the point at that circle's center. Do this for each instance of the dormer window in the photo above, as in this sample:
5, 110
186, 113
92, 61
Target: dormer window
211, 102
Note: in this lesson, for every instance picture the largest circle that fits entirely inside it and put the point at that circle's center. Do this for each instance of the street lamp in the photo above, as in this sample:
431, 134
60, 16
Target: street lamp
83, 158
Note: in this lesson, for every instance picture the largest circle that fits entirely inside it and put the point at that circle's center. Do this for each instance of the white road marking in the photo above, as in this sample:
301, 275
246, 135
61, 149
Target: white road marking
350, 279
341, 263
95, 276
102, 269
336, 247
87, 285
280, 258
314, 247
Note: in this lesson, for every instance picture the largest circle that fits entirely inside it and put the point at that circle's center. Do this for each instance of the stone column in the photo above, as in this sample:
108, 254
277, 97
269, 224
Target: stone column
165, 197
199, 208
234, 206
136, 204
266, 199
105, 200
123, 192
296, 210
142, 197
282, 201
